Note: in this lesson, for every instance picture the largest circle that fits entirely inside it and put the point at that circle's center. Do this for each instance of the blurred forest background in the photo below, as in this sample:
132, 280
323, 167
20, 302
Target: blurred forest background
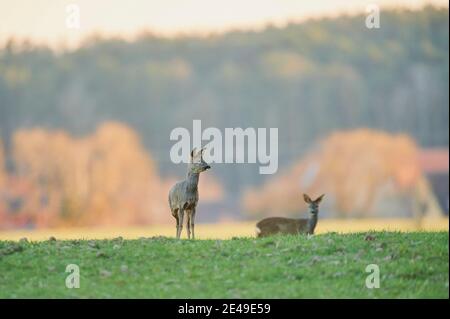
363, 116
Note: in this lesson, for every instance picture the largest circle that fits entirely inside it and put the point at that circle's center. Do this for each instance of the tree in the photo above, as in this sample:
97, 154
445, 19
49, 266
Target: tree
105, 178
363, 173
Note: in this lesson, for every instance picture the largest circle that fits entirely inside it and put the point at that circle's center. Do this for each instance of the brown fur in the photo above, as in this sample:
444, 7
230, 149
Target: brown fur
280, 225
274, 225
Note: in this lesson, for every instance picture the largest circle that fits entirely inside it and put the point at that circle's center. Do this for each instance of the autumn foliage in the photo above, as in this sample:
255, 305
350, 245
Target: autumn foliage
106, 178
363, 173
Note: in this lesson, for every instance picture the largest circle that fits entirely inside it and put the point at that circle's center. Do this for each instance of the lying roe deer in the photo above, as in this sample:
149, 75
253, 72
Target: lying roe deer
280, 225
183, 196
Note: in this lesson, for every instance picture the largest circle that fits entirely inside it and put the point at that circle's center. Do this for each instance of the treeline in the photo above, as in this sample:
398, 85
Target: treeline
307, 79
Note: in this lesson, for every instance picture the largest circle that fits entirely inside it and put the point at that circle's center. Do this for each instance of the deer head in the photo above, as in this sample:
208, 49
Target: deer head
197, 164
313, 204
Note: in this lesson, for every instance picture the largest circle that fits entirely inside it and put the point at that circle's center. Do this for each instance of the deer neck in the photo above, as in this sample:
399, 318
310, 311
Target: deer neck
312, 222
192, 180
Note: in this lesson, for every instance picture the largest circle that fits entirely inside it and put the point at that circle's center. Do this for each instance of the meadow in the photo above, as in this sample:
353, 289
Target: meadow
412, 264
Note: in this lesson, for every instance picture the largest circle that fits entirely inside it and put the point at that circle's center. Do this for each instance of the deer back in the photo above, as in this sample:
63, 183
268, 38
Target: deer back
281, 225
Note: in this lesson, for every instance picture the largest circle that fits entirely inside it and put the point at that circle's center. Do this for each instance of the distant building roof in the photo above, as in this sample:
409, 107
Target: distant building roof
434, 160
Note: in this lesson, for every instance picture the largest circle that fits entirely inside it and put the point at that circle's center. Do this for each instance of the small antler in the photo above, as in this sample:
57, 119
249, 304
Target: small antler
193, 152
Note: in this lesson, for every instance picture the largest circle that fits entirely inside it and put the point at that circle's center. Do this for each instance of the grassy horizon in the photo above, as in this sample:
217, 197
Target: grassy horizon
412, 265
225, 230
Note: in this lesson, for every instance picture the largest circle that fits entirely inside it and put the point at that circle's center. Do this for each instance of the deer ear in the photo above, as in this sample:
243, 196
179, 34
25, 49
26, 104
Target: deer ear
319, 199
307, 199
193, 153
202, 150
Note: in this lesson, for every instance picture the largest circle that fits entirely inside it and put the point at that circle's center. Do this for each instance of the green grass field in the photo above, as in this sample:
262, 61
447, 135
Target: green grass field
412, 265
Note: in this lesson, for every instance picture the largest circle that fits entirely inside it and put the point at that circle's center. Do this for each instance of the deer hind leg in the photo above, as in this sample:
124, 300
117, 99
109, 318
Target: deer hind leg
258, 232
191, 221
180, 222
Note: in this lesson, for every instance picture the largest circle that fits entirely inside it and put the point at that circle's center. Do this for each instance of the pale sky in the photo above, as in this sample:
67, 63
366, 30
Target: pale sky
44, 21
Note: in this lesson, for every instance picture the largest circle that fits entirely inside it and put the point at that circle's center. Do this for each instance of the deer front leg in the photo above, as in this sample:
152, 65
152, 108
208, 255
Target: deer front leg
188, 223
180, 222
191, 220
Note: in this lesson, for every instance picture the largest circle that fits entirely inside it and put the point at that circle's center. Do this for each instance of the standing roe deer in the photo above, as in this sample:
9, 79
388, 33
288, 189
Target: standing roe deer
280, 225
183, 196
